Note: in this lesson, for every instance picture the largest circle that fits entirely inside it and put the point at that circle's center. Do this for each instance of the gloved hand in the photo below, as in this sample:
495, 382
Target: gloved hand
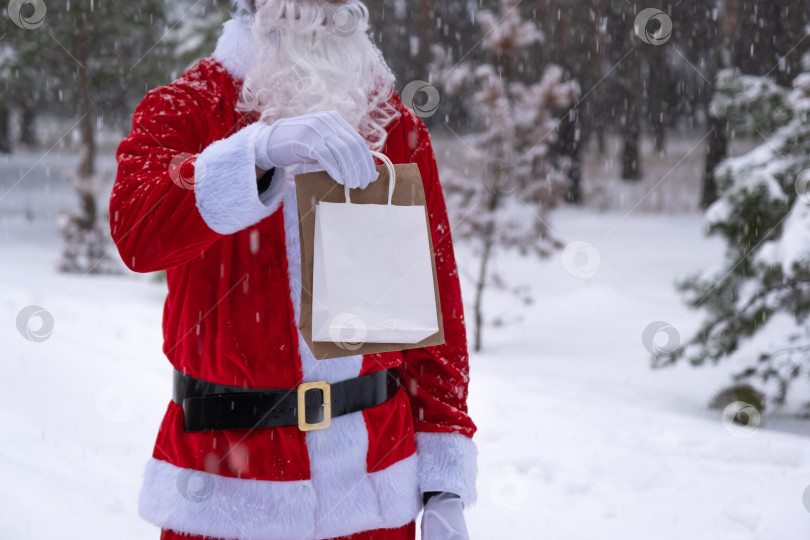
443, 518
322, 137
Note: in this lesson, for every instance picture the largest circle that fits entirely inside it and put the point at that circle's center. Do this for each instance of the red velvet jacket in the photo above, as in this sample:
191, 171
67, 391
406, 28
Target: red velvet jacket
185, 200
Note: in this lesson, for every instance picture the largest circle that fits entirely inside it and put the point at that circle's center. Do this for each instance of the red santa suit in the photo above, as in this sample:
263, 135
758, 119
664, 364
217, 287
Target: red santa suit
233, 268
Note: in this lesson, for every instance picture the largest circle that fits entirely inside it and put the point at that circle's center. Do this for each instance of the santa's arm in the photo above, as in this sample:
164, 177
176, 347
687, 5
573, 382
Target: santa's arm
175, 194
437, 378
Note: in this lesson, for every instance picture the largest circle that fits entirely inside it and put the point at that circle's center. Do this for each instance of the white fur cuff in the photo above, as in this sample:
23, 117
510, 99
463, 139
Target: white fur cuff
225, 184
448, 462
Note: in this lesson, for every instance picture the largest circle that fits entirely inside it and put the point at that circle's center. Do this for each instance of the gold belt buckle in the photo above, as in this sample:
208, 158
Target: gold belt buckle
324, 387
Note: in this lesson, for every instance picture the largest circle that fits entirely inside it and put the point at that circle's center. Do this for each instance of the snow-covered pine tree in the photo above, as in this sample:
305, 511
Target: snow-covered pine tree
90, 31
81, 56
86, 231
763, 215
752, 106
742, 106
505, 206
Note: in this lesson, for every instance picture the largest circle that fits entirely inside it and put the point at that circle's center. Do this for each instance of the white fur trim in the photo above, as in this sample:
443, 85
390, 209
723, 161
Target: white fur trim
334, 369
225, 184
337, 456
448, 462
235, 49
201, 503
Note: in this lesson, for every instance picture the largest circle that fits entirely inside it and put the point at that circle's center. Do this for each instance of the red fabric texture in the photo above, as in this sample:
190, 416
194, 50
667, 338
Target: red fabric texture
407, 532
228, 316
388, 442
437, 378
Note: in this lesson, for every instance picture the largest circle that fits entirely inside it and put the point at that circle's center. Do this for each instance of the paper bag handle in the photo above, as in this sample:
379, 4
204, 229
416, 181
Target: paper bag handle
392, 176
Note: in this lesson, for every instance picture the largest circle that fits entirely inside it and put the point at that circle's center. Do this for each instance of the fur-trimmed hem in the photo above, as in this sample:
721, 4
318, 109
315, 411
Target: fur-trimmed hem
448, 462
225, 184
201, 503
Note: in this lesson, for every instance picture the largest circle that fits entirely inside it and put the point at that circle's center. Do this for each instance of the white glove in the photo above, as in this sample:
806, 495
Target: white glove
443, 518
321, 137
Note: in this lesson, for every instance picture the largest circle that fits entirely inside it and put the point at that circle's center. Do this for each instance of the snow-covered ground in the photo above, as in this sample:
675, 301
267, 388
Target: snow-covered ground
578, 438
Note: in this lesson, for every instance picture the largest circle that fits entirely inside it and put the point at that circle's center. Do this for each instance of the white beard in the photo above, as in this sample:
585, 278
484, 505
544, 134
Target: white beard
316, 62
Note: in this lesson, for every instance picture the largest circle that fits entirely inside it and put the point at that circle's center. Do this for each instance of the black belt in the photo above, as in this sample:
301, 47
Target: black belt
210, 406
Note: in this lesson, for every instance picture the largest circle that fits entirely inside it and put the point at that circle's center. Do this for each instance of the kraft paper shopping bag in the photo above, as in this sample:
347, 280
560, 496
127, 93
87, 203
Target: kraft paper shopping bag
392, 302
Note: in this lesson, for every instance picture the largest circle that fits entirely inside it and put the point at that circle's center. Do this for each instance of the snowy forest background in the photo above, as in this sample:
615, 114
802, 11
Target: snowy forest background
628, 188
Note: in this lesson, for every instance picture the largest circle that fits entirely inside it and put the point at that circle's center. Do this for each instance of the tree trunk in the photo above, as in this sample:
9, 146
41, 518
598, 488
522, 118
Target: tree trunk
793, 28
87, 161
762, 45
27, 125
489, 230
84, 249
660, 135
599, 67
426, 21
659, 81
716, 152
479, 293
631, 158
5, 129
570, 133
626, 59
483, 273
717, 147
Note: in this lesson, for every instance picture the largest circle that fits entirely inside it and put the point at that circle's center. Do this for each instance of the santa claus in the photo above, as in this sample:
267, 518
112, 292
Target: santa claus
204, 190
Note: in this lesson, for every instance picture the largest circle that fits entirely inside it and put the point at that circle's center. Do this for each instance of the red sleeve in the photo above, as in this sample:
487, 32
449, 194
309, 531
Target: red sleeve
153, 216
437, 378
